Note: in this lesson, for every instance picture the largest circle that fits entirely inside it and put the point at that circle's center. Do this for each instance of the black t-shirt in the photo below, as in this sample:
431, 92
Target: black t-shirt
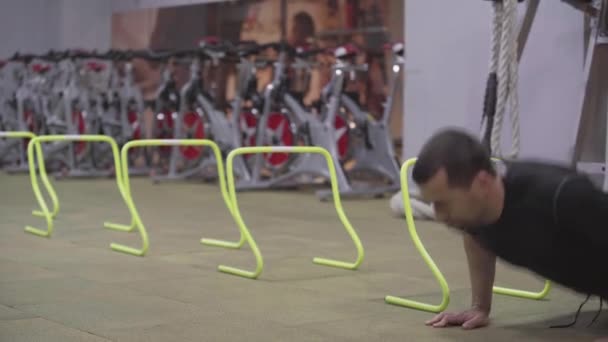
554, 223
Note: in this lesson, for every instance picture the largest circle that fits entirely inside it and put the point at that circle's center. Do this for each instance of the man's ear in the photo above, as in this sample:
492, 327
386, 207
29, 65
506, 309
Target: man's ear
482, 180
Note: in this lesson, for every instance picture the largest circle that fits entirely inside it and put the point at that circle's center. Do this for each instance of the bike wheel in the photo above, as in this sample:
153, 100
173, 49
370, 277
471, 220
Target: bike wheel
278, 132
248, 127
194, 127
80, 147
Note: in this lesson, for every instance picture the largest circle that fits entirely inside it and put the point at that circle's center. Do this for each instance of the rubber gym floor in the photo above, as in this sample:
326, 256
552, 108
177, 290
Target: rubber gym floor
72, 287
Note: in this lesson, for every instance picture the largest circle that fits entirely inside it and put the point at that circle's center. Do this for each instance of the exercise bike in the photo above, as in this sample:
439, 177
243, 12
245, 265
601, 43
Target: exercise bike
38, 104
12, 151
372, 149
286, 121
85, 79
119, 104
200, 115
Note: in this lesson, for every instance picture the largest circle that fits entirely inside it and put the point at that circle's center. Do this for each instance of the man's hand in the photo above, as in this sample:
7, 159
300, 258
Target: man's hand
469, 319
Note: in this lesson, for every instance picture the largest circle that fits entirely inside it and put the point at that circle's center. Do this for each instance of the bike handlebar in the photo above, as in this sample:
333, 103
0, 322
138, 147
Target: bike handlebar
305, 53
351, 67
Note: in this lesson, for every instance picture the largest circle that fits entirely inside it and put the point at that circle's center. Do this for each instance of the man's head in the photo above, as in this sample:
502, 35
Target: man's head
455, 172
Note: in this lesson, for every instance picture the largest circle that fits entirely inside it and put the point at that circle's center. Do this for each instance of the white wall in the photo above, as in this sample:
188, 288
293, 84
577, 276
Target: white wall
28, 26
39, 25
447, 66
86, 24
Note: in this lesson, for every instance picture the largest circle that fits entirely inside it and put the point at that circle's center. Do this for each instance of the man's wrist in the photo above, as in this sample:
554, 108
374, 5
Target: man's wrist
482, 307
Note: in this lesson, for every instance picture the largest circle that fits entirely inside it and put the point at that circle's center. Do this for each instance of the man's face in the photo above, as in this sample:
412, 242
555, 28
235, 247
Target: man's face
458, 207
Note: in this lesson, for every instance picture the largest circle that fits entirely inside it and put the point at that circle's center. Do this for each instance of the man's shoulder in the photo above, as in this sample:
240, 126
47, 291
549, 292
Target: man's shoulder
530, 187
533, 181
536, 166
530, 170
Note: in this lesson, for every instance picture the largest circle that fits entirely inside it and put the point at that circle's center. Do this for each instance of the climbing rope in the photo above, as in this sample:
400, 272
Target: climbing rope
501, 89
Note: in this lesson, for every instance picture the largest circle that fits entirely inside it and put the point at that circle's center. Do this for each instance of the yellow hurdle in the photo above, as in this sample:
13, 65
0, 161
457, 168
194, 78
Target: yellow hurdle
36, 145
245, 231
136, 222
409, 217
445, 291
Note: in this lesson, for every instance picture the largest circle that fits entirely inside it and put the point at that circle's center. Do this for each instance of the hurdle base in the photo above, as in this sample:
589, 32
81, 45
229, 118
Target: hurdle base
38, 232
521, 293
118, 227
127, 250
335, 263
38, 213
412, 304
238, 272
222, 243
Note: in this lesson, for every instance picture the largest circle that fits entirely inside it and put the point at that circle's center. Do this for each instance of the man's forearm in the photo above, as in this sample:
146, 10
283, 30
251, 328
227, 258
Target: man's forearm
482, 268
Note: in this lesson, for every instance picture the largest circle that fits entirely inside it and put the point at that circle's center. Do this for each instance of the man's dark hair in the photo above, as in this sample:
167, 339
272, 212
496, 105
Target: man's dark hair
459, 153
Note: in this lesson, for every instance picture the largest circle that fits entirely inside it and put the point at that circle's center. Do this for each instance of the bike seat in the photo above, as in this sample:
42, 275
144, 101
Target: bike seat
40, 68
95, 66
397, 48
2, 63
346, 51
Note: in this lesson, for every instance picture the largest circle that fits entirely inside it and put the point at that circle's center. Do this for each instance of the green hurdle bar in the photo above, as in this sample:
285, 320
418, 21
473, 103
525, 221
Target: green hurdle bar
245, 231
17, 135
45, 180
409, 217
136, 221
434, 269
36, 143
